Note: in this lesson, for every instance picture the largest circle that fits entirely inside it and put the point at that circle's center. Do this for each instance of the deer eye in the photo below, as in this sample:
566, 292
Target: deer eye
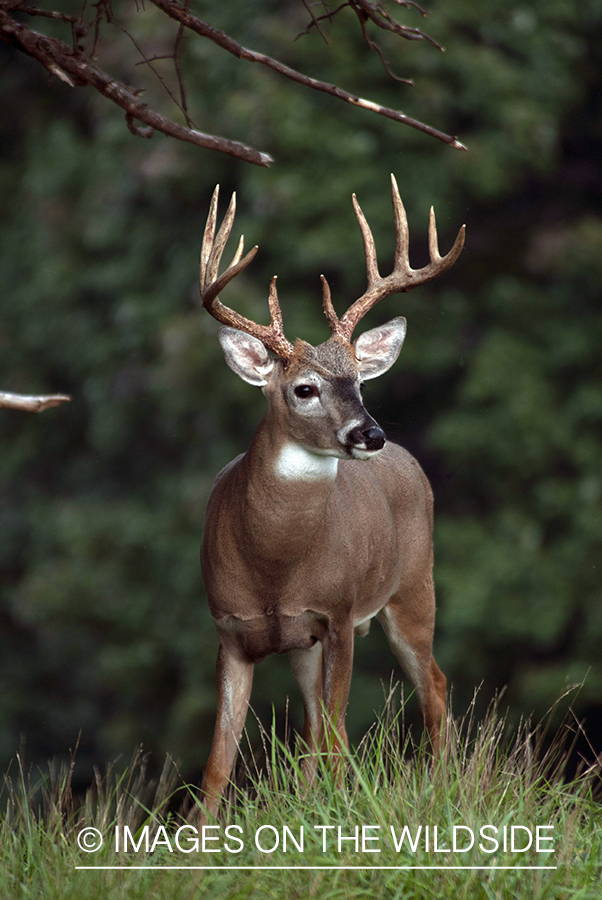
306, 390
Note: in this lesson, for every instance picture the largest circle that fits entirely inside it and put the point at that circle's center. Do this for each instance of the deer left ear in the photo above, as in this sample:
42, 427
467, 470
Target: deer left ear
376, 350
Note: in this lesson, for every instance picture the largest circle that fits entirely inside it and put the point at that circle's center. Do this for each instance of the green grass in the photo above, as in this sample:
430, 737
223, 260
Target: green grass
484, 779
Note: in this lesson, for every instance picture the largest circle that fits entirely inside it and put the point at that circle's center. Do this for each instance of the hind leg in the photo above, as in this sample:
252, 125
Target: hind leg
408, 620
324, 676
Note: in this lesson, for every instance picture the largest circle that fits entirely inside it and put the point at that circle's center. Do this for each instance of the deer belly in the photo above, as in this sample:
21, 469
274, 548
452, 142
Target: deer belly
273, 632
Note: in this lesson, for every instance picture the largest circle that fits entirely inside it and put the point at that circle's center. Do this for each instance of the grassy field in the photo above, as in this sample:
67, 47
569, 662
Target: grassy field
496, 818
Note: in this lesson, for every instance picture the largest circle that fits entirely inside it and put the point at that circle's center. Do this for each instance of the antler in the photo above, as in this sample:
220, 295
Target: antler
402, 278
272, 335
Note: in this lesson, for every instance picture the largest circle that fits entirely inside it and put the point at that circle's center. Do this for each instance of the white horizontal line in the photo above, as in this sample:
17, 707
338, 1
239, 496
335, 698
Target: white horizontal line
305, 868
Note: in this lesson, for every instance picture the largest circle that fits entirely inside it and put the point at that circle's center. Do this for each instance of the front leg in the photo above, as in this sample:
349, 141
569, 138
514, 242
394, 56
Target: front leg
234, 679
307, 669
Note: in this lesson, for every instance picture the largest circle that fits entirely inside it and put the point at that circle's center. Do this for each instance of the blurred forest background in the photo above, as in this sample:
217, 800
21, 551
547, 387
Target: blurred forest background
498, 391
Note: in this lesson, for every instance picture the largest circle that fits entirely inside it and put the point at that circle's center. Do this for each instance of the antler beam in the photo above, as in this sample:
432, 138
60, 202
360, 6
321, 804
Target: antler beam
403, 278
272, 335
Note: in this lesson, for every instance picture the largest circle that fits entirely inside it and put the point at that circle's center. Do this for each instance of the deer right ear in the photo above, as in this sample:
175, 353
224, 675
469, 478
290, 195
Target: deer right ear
246, 356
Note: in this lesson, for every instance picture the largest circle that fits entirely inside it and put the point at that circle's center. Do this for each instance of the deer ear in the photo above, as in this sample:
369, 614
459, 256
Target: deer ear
246, 356
376, 350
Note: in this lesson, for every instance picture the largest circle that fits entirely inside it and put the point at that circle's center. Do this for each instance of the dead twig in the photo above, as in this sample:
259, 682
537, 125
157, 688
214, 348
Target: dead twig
31, 404
176, 62
148, 61
369, 11
315, 22
385, 63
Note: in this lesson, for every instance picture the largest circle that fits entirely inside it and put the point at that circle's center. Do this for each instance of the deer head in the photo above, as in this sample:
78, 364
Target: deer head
316, 391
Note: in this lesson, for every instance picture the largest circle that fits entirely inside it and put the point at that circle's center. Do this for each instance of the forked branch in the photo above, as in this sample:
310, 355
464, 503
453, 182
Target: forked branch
375, 12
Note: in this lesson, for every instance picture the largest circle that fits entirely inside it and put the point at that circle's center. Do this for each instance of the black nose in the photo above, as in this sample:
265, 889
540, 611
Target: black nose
373, 438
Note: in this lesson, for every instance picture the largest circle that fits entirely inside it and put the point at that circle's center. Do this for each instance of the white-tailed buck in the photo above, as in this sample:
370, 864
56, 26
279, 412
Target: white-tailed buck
320, 526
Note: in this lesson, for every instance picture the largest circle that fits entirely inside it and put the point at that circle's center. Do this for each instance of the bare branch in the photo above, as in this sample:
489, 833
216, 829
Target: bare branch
100, 14
367, 10
176, 62
76, 68
48, 14
385, 63
409, 4
227, 43
31, 404
149, 62
72, 66
315, 21
376, 12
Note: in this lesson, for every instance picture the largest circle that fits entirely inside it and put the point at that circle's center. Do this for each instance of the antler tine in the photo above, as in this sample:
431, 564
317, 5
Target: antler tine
208, 236
216, 287
433, 239
403, 277
220, 241
402, 232
333, 319
239, 249
443, 263
274, 306
210, 284
369, 245
213, 247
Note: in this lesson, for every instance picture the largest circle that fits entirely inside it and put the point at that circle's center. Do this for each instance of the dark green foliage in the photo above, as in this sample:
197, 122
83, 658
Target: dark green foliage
498, 391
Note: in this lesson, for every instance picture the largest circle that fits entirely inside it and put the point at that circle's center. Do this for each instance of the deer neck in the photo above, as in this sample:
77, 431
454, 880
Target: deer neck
286, 488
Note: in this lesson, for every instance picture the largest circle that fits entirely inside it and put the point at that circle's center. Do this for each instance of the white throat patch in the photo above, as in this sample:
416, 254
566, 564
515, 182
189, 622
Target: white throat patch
295, 463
